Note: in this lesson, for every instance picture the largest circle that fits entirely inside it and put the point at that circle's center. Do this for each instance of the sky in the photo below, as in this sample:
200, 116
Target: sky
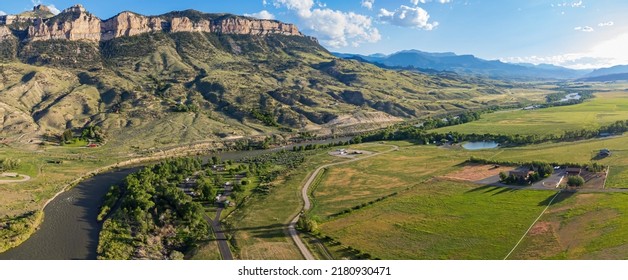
580, 34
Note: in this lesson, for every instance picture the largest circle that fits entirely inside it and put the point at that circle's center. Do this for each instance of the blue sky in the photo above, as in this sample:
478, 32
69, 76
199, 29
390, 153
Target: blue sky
572, 33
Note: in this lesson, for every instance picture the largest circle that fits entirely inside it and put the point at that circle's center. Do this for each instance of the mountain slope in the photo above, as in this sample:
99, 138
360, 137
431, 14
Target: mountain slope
618, 69
217, 78
469, 64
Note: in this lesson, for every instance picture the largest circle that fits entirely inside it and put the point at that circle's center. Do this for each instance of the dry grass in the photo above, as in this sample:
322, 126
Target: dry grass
580, 226
475, 172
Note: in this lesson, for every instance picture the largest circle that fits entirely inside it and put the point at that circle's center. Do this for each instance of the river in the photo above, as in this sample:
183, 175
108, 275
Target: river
70, 230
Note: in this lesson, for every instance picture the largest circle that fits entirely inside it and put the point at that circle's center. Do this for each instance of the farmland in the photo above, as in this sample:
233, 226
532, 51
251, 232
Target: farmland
606, 108
441, 220
432, 217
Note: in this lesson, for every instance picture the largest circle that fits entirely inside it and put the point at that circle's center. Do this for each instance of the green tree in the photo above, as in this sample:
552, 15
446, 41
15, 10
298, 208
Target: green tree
575, 181
545, 169
503, 176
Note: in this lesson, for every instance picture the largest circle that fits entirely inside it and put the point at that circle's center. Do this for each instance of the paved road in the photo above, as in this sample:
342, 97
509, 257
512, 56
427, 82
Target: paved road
223, 244
307, 205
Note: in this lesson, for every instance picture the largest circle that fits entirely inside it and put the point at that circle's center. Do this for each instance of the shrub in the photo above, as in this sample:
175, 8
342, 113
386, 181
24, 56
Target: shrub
575, 181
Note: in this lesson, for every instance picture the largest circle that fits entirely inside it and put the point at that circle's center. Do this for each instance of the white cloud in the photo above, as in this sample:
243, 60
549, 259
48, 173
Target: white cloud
264, 14
416, 2
584, 28
408, 17
53, 9
302, 7
368, 4
604, 24
607, 53
334, 28
578, 4
2, 13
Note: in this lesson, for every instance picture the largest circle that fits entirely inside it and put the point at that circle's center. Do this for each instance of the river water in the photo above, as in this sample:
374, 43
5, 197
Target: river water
70, 230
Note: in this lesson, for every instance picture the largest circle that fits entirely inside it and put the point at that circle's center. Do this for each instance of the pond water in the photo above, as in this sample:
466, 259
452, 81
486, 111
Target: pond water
480, 145
571, 96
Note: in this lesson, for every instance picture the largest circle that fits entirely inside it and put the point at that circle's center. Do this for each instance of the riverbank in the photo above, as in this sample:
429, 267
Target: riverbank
203, 149
19, 238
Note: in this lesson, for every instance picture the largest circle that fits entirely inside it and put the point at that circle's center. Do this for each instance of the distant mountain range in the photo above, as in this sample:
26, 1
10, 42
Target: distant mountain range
471, 65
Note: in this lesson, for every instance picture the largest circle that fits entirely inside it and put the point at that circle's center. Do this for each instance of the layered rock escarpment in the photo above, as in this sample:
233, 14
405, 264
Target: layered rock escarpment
76, 24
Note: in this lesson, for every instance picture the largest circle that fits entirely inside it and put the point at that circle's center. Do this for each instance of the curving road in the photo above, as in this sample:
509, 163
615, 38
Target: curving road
307, 204
24, 179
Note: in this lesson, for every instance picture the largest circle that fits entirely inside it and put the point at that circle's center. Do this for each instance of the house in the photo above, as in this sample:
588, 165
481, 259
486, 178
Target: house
218, 167
574, 171
521, 174
604, 153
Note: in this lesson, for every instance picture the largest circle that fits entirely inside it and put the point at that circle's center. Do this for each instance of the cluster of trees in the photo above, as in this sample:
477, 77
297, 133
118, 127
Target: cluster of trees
180, 107
540, 170
153, 218
553, 98
508, 162
266, 118
9, 164
152, 209
421, 136
88, 133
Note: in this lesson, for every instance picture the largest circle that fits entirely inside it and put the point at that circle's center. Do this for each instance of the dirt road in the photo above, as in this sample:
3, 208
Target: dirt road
307, 204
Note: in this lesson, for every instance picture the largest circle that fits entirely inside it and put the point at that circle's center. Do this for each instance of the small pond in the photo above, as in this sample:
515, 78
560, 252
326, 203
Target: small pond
480, 145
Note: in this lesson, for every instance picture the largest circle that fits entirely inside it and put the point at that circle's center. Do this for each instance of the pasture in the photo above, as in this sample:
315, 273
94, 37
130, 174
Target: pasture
604, 109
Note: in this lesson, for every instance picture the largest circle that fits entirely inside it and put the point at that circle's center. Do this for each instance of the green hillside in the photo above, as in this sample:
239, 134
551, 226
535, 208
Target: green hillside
173, 88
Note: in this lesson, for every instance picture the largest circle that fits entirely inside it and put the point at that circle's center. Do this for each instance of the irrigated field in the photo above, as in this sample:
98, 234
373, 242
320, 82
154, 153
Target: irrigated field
436, 218
583, 226
605, 108
441, 220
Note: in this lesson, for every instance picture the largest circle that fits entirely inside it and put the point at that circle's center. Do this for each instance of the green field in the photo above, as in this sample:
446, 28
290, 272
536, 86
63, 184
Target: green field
441, 220
353, 184
577, 152
432, 218
583, 226
605, 108
258, 227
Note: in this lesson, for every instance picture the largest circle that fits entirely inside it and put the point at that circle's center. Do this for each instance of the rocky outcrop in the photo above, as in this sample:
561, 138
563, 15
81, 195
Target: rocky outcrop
249, 26
73, 24
76, 24
5, 33
39, 11
129, 24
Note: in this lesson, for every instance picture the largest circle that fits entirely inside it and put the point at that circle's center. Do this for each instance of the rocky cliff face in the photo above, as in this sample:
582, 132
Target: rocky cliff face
76, 24
5, 33
73, 24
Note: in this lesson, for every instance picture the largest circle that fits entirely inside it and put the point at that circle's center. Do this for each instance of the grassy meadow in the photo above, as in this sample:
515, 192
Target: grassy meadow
582, 226
434, 218
605, 108
441, 220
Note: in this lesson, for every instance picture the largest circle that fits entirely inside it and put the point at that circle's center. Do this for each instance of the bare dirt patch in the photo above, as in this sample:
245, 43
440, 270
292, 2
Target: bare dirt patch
540, 228
476, 172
